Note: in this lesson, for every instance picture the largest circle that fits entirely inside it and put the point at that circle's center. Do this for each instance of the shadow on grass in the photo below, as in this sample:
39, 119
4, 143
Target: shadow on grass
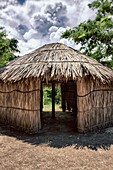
60, 134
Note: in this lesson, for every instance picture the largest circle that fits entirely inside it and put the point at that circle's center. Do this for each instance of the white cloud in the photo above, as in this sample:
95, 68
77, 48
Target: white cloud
68, 43
37, 22
32, 44
5, 3
30, 34
55, 36
55, 33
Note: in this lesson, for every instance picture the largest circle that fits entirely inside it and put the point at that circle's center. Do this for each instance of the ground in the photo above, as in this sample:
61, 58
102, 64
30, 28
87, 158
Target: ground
56, 147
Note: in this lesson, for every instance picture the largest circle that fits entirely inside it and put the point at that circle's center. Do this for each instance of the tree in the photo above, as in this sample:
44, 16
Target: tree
7, 48
95, 36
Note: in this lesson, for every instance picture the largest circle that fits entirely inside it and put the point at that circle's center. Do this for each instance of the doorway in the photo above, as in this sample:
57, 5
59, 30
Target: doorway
47, 97
59, 111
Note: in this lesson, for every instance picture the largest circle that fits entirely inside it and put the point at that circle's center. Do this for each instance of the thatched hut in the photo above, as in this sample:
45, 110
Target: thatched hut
86, 86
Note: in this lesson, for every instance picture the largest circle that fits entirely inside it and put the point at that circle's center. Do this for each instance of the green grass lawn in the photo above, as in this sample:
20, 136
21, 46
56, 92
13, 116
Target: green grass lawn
49, 107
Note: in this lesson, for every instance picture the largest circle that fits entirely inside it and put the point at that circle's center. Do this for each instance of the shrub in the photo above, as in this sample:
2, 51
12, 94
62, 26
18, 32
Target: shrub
47, 95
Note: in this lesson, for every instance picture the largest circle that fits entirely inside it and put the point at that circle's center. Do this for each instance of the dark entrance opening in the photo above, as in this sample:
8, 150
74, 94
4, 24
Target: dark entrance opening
65, 118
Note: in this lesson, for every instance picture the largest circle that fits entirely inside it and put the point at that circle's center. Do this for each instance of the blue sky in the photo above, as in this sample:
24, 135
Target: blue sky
21, 1
37, 22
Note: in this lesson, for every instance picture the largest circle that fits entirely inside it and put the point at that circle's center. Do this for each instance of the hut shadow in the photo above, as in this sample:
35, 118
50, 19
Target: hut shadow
92, 141
60, 133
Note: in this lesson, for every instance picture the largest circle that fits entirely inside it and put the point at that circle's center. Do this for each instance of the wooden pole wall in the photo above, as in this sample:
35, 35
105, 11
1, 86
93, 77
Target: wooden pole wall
95, 104
20, 104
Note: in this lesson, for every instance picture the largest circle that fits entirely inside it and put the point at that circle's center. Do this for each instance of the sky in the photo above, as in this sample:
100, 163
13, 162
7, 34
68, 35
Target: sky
21, 1
37, 22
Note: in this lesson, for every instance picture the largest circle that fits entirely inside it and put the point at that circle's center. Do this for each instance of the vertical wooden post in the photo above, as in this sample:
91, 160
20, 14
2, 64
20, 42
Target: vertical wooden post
63, 97
41, 97
53, 100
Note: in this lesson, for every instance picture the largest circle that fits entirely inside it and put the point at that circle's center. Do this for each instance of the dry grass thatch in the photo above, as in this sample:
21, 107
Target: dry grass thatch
20, 104
55, 61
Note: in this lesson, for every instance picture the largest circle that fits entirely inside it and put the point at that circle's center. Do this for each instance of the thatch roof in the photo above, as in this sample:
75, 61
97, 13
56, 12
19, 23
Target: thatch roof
55, 61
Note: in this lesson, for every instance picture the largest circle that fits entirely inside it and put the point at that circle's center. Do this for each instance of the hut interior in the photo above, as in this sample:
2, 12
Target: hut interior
66, 114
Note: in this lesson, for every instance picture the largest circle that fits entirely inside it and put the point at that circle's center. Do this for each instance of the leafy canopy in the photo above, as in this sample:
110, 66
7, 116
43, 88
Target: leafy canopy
7, 48
95, 36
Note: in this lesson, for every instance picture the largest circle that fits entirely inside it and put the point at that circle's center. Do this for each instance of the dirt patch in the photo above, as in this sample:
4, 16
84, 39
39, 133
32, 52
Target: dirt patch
63, 122
57, 146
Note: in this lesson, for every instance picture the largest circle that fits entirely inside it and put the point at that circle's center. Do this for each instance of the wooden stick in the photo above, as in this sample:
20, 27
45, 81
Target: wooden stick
41, 98
53, 100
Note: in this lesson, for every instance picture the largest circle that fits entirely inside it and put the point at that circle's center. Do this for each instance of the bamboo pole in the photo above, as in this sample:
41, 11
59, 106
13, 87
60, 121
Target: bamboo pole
63, 97
53, 100
41, 97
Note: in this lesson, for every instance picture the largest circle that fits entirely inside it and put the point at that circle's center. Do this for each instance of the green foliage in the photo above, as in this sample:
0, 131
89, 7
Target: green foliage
95, 36
47, 95
7, 48
103, 7
108, 63
58, 96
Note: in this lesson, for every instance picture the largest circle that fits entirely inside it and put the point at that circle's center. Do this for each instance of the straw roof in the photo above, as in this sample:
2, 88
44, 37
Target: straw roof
55, 61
